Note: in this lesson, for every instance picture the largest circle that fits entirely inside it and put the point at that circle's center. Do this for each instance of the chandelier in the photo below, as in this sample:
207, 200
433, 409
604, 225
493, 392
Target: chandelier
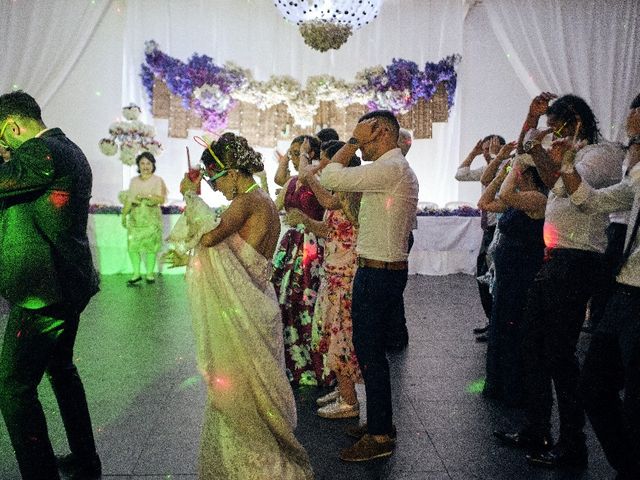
327, 24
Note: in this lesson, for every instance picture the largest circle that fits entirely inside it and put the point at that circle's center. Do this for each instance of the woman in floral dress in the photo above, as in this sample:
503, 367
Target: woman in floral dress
332, 317
296, 275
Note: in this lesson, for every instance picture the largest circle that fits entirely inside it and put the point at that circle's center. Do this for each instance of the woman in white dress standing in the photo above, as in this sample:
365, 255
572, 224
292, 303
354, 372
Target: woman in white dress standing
250, 414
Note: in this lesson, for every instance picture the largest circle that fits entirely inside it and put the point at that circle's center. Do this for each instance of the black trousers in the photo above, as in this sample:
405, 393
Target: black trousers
555, 312
481, 268
516, 266
616, 233
376, 294
400, 335
35, 342
613, 363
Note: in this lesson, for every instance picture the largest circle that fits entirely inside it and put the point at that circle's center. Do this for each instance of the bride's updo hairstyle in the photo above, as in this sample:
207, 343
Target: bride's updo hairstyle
232, 152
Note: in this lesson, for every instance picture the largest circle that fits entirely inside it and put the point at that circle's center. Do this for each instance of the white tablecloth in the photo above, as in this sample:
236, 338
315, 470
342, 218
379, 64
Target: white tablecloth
445, 245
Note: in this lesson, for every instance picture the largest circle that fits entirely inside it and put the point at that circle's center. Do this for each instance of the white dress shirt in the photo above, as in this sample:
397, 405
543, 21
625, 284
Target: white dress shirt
388, 207
599, 165
621, 196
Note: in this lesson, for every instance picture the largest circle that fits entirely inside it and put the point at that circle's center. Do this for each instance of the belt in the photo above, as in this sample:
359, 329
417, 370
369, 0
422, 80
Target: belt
365, 262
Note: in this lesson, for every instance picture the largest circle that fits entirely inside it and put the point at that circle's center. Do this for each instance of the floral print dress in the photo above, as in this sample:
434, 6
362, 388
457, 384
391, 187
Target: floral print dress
333, 306
296, 278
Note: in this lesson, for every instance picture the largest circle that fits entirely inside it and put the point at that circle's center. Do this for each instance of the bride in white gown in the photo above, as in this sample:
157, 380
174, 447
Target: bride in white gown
251, 413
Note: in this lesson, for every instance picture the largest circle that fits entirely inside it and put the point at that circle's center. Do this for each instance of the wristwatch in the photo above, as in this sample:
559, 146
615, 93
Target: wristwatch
353, 141
529, 144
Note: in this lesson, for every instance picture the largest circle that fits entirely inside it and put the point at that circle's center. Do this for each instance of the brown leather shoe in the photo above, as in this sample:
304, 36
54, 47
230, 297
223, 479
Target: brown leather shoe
360, 431
367, 448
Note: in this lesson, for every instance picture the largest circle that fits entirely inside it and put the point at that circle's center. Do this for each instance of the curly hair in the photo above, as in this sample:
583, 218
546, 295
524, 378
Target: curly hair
235, 153
567, 107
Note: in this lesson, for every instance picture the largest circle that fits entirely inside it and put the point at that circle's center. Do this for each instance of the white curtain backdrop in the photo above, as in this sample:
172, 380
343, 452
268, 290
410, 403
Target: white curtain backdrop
252, 34
42, 42
587, 47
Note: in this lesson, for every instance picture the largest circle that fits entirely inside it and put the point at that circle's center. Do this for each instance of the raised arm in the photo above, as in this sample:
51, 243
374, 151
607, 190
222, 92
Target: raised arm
307, 173
282, 174
492, 168
464, 172
532, 202
488, 200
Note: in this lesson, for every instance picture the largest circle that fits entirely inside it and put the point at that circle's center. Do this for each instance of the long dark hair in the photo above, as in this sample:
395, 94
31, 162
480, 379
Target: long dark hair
567, 107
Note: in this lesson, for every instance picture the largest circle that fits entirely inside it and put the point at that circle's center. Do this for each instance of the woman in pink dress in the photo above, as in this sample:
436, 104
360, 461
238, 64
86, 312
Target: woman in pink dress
332, 317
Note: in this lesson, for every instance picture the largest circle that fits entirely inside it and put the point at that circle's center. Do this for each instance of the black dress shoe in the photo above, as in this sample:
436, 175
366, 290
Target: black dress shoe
133, 281
560, 456
73, 468
481, 330
524, 440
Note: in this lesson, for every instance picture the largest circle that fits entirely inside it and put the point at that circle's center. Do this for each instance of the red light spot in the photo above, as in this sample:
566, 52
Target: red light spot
389, 203
309, 253
221, 383
59, 198
550, 235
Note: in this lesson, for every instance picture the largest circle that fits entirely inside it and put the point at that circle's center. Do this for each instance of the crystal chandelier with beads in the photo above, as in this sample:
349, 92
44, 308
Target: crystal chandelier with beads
327, 24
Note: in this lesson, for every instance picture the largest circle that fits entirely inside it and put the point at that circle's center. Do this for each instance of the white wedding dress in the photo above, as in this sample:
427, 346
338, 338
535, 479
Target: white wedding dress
251, 413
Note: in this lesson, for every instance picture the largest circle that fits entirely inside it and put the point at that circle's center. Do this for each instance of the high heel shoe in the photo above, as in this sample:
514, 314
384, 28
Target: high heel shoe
132, 281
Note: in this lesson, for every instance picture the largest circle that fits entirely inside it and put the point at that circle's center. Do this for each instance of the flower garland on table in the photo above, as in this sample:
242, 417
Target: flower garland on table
212, 91
104, 209
463, 211
130, 136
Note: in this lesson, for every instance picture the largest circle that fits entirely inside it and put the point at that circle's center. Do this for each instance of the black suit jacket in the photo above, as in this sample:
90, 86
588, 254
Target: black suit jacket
44, 205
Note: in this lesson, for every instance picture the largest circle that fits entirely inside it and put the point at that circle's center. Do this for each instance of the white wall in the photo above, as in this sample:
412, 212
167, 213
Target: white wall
90, 99
493, 99
490, 99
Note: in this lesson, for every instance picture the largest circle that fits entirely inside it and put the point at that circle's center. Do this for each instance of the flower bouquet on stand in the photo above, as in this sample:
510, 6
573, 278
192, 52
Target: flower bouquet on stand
130, 136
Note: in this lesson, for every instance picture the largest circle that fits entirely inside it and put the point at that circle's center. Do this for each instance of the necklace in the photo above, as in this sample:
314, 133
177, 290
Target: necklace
251, 188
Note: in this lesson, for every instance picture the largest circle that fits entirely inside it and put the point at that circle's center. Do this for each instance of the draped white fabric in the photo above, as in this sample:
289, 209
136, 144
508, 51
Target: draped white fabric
252, 34
43, 41
586, 47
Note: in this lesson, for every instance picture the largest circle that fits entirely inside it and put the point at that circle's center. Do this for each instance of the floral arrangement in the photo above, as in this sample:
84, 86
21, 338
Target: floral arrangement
322, 35
463, 211
130, 136
102, 208
212, 91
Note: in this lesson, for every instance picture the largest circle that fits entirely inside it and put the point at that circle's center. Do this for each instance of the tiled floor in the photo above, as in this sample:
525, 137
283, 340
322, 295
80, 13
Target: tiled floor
135, 354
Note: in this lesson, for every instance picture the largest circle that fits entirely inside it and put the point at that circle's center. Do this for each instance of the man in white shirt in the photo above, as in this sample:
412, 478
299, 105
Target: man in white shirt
573, 271
613, 359
387, 213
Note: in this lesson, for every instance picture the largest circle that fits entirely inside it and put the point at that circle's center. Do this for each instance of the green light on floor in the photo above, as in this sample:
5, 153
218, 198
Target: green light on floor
190, 382
476, 387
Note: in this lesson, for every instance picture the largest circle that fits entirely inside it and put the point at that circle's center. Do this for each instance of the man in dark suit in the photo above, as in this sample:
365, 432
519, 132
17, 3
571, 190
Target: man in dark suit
47, 275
